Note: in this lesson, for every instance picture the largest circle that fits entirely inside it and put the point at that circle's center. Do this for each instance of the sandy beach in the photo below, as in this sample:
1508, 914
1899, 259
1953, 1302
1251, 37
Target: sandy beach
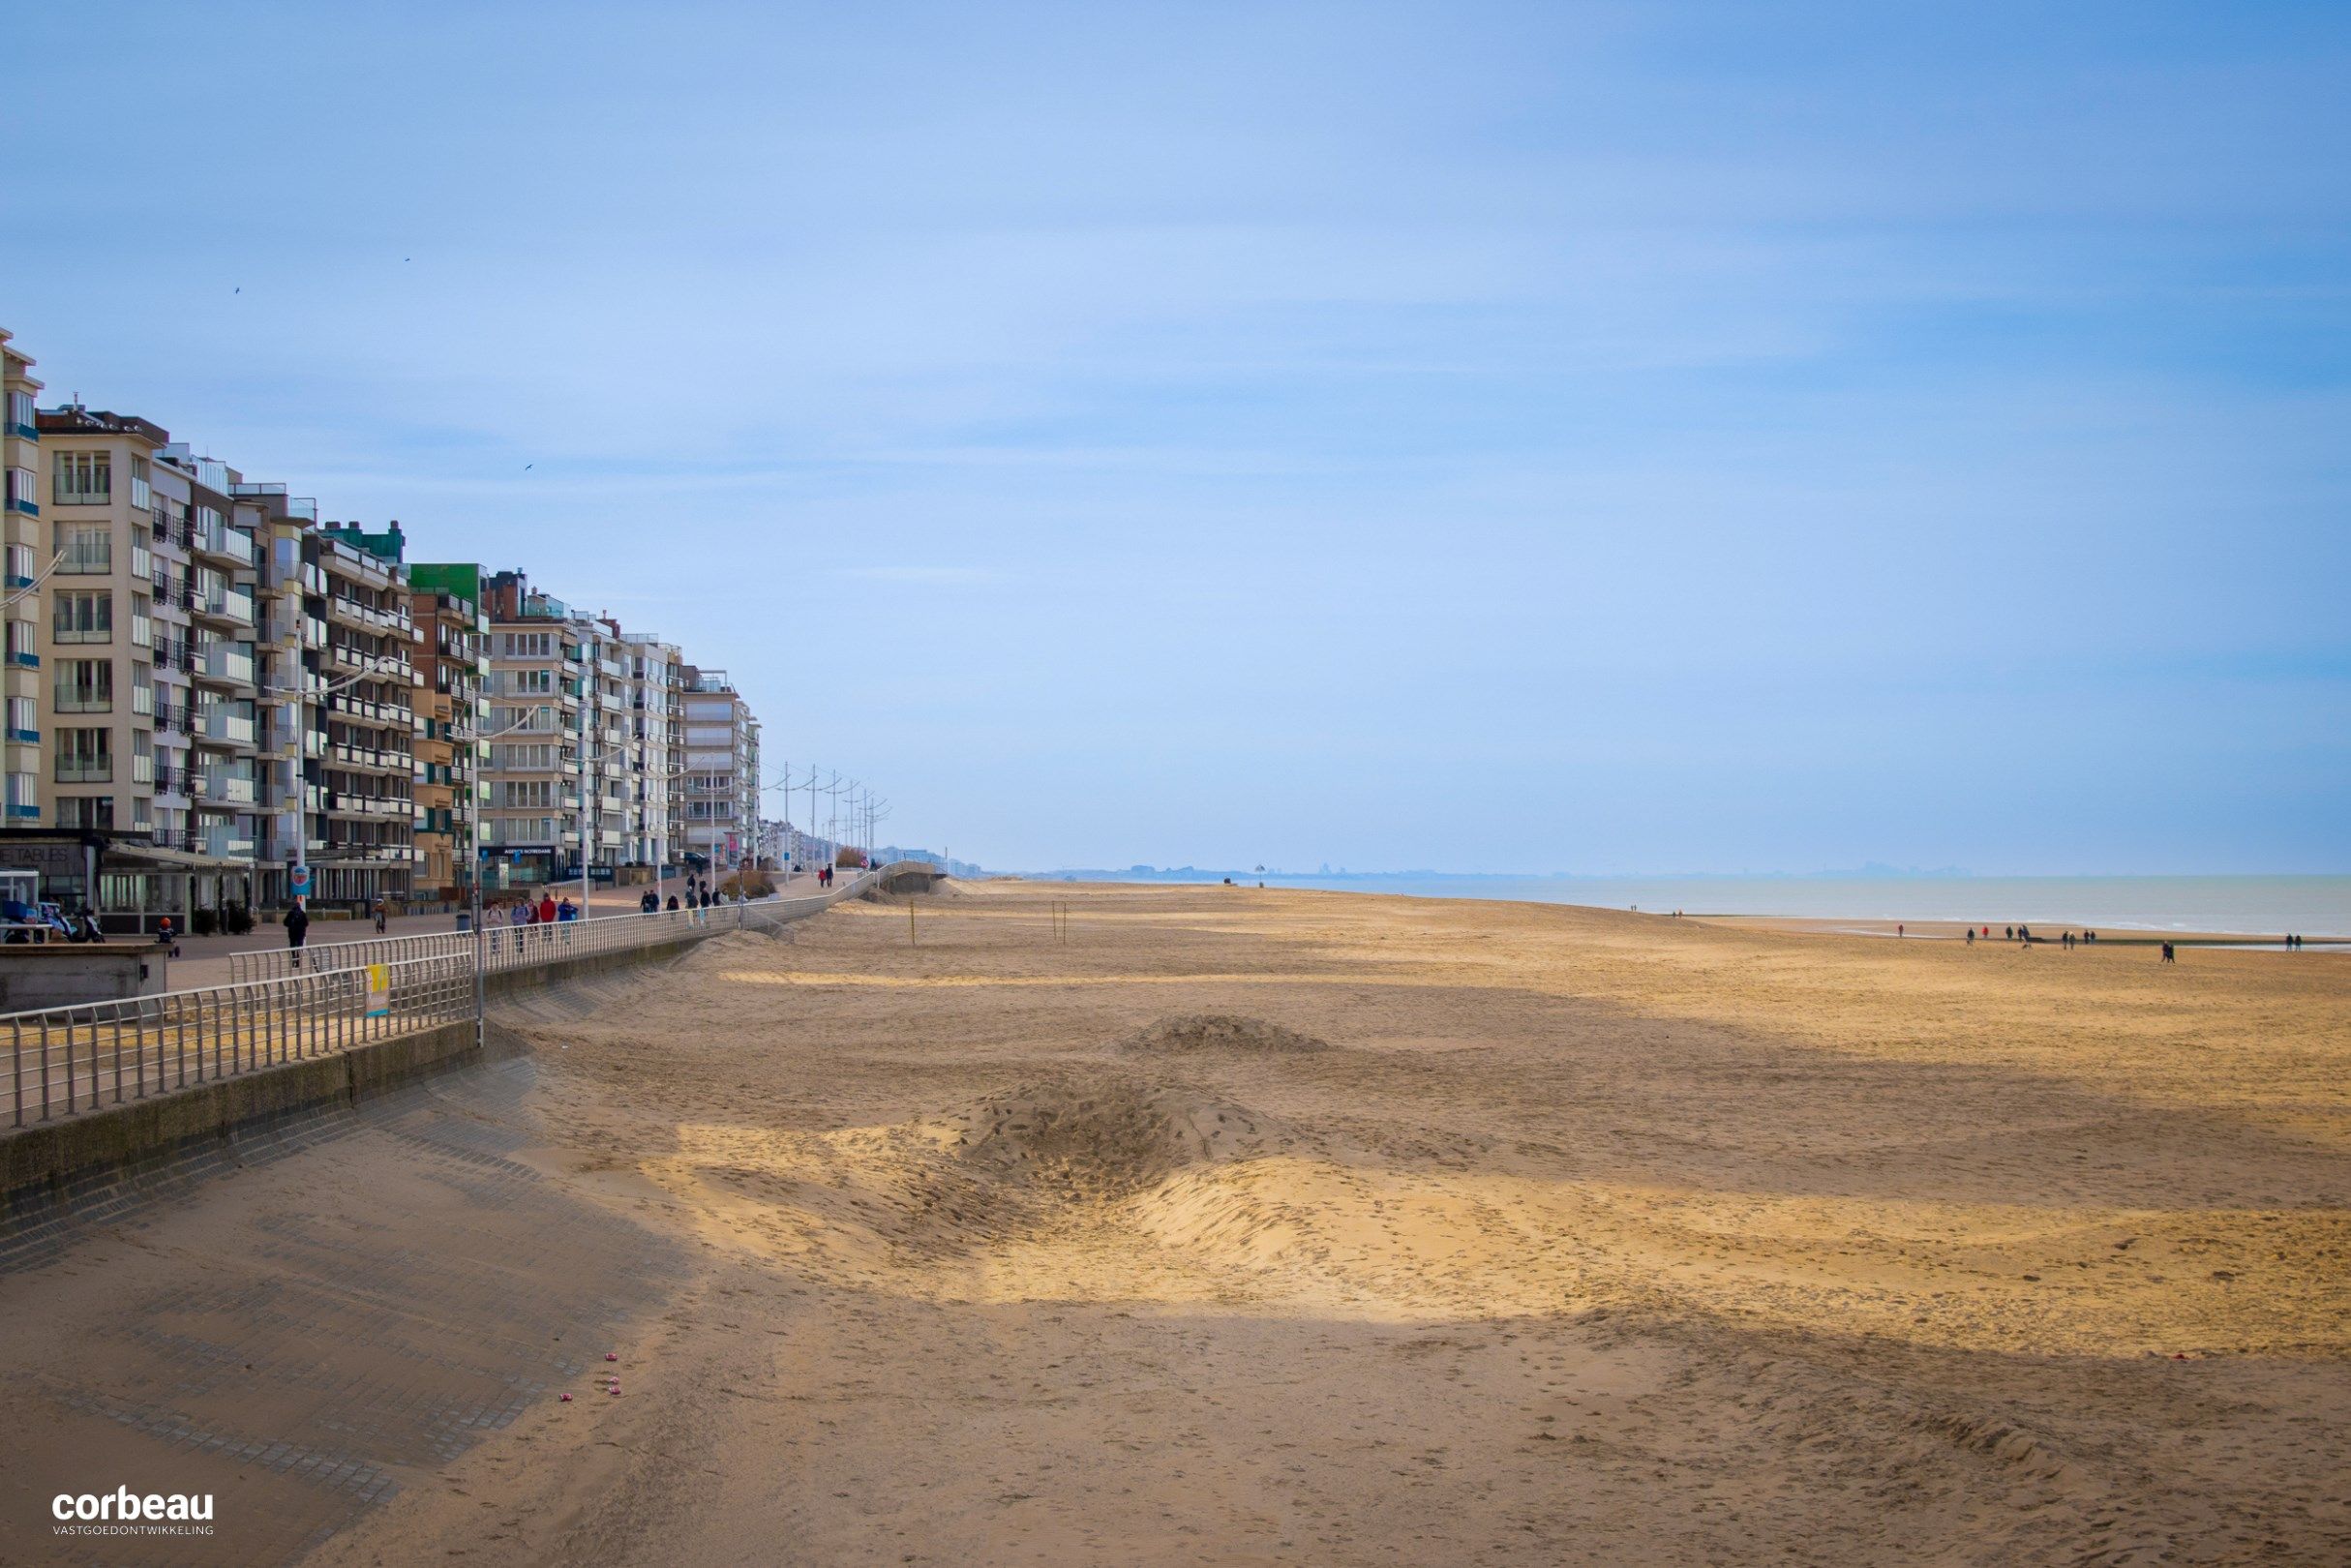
1224, 1226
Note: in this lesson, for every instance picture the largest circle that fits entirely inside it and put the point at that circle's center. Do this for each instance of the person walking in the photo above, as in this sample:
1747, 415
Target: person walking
673, 908
381, 914
297, 930
2167, 955
1971, 936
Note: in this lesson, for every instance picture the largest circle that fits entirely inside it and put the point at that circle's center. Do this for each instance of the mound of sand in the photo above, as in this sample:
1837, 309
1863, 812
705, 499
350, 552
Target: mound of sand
1103, 1139
1219, 1032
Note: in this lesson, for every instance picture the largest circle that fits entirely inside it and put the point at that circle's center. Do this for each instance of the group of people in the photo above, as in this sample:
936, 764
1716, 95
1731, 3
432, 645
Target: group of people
701, 892
2024, 934
547, 911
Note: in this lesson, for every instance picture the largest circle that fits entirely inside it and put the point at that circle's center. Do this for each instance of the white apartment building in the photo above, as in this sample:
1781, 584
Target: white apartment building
720, 820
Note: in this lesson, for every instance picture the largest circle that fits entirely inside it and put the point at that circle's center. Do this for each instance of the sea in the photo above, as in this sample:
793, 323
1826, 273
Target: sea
2317, 906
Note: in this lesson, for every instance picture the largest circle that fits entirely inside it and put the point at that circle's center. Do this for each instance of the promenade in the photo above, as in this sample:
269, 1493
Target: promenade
204, 960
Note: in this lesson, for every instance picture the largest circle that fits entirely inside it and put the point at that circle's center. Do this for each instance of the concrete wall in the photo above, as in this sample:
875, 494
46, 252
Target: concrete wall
71, 974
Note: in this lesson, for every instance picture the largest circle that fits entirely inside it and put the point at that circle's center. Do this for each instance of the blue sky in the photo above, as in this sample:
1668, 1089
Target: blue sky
1610, 439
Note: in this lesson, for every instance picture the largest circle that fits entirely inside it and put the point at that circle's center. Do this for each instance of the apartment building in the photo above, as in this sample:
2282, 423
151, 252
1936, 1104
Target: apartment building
583, 722
452, 637
289, 740
719, 824
367, 775
531, 771
21, 541
149, 649
655, 711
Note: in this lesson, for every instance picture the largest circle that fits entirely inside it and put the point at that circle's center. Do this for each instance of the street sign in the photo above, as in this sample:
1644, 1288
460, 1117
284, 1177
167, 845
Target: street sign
380, 990
298, 881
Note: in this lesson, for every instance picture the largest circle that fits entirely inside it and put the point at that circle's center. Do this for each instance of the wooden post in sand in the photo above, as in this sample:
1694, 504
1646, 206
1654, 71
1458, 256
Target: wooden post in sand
909, 923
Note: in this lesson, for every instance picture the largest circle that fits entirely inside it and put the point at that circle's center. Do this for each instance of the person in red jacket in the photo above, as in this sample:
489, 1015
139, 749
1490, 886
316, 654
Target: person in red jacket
547, 909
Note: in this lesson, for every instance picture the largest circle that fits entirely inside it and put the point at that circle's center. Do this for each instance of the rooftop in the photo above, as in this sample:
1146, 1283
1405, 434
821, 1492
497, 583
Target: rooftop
72, 419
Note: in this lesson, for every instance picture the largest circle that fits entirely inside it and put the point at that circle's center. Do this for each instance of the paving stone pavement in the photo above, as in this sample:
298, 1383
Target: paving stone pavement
302, 1323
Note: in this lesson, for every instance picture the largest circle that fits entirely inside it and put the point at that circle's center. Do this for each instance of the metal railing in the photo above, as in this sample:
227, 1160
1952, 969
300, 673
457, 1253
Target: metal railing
508, 947
67, 1061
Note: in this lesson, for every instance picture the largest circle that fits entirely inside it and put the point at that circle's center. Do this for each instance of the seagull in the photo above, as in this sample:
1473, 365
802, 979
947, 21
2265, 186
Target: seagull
526, 468
240, 288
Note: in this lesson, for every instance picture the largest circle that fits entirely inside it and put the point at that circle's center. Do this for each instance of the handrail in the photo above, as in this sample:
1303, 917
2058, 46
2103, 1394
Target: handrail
65, 1061
515, 947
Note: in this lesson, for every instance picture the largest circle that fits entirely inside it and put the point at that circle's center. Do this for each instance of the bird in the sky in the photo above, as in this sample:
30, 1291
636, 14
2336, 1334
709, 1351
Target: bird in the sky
240, 288
526, 468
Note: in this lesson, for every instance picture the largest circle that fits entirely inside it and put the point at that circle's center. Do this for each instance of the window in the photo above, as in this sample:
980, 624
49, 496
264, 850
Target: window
20, 410
20, 565
143, 629
140, 496
86, 811
24, 716
20, 482
83, 617
84, 479
85, 685
84, 757
88, 549
20, 639
24, 795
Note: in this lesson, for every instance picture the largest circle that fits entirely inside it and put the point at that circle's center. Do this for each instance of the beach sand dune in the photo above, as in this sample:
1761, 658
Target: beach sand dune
1271, 1226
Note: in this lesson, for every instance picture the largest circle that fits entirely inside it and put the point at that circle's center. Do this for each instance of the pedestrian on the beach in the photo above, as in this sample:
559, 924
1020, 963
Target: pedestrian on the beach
1971, 936
2009, 931
297, 929
2167, 954
1898, 930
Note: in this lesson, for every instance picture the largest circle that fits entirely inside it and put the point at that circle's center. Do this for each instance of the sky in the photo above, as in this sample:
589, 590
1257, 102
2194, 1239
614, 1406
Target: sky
1606, 438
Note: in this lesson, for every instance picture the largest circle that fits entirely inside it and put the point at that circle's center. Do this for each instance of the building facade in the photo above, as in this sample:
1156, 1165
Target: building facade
367, 775
719, 824
21, 541
444, 605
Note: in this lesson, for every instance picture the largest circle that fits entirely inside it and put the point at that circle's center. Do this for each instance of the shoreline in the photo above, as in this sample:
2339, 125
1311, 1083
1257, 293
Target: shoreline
2327, 926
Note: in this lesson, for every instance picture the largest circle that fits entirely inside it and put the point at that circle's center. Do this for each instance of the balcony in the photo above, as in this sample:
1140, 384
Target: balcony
229, 604
228, 663
85, 770
225, 728
224, 844
222, 787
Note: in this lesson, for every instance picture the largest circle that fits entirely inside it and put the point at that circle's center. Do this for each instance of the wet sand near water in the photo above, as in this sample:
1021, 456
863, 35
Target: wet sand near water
1285, 1226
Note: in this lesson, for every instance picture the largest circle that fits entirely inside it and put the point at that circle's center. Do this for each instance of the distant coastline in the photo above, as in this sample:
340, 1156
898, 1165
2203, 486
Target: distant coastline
2312, 905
